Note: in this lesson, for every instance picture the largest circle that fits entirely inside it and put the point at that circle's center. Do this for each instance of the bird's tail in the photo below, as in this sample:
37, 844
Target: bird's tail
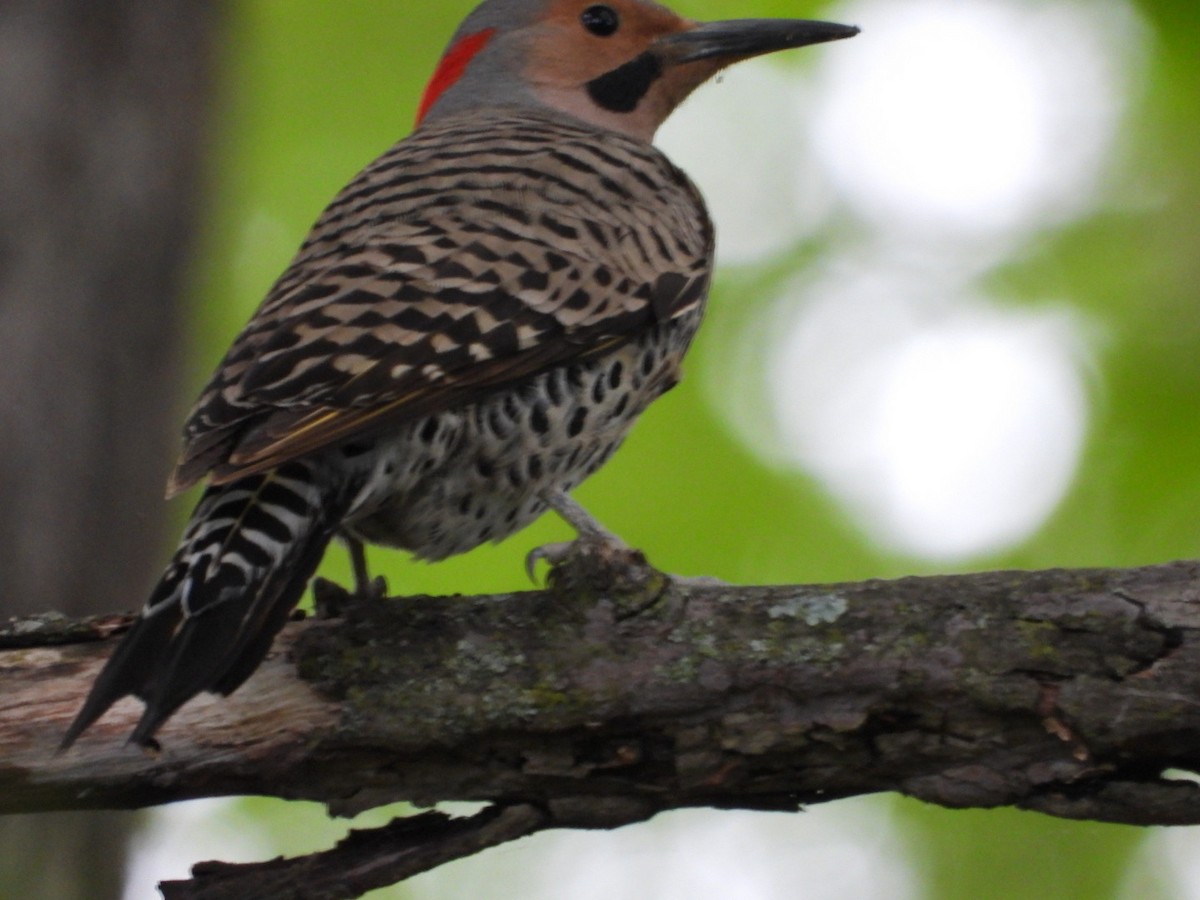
242, 566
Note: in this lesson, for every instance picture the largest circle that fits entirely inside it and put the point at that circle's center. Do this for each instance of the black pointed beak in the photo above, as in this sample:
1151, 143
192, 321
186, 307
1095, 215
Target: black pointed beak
743, 38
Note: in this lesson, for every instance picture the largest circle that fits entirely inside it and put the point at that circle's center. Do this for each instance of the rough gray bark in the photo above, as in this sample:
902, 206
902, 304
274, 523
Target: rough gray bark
1067, 692
101, 136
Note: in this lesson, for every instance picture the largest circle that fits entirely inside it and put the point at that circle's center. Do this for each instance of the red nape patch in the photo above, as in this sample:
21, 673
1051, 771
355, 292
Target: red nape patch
452, 67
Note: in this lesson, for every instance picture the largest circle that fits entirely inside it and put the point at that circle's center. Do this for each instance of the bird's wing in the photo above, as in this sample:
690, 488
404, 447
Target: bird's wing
427, 313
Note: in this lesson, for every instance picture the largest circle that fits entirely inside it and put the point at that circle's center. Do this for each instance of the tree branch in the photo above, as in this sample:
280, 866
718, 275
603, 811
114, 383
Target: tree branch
364, 860
1068, 692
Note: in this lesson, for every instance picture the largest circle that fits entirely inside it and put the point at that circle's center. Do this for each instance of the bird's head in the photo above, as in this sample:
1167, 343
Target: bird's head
622, 64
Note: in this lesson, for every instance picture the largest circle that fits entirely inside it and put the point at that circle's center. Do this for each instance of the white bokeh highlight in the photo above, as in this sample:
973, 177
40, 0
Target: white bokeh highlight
976, 118
182, 834
830, 852
848, 849
947, 429
1169, 863
765, 190
952, 133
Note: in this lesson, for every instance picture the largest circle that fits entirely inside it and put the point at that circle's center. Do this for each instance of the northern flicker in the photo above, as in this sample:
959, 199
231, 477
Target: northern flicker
468, 332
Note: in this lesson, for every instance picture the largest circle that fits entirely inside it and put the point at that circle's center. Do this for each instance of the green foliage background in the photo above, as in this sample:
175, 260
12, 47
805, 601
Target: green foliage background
314, 89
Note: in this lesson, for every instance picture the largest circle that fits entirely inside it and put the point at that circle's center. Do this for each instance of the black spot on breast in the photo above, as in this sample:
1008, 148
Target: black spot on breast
578, 420
615, 374
554, 387
497, 423
648, 362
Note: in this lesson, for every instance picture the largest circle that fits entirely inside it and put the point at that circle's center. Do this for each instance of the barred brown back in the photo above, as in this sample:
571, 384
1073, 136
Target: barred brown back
476, 254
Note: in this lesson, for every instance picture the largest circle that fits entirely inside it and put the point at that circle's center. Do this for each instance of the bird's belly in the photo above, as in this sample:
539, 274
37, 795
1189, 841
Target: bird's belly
450, 482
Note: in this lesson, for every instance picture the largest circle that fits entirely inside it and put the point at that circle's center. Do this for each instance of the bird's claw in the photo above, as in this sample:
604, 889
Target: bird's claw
375, 589
330, 599
596, 563
553, 555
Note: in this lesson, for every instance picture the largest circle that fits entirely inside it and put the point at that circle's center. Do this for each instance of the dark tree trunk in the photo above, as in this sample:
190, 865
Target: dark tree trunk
102, 132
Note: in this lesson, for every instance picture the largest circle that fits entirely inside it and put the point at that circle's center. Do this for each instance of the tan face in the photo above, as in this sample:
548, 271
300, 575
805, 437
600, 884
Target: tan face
566, 56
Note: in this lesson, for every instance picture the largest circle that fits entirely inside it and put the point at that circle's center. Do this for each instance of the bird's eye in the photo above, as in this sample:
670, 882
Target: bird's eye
600, 20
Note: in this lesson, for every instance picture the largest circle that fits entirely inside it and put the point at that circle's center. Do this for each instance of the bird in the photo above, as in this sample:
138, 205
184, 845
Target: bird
468, 331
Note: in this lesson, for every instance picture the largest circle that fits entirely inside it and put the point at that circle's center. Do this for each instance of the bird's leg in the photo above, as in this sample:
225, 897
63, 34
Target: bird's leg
364, 585
331, 598
581, 520
358, 565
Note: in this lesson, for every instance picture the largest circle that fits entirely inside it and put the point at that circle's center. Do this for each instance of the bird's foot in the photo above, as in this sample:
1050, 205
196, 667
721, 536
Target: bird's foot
330, 599
554, 555
596, 563
373, 590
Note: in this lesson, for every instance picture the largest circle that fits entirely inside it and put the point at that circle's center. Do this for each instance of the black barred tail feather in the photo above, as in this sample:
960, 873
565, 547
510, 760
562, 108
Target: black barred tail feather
240, 570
